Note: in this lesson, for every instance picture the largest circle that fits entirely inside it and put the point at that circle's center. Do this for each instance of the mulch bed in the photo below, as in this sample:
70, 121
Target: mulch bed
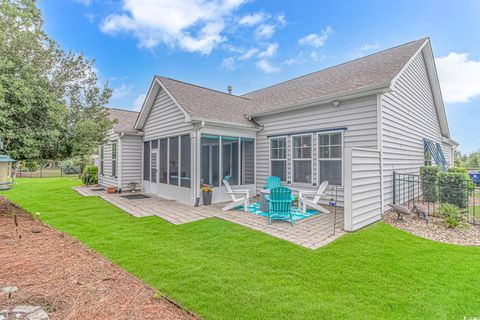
436, 229
69, 280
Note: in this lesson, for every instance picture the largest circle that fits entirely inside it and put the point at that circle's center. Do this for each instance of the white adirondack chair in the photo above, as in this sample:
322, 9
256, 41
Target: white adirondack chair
243, 199
304, 198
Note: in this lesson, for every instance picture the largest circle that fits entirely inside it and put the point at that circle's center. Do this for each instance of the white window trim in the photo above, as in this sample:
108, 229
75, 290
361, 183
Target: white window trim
116, 158
342, 148
102, 160
303, 159
270, 156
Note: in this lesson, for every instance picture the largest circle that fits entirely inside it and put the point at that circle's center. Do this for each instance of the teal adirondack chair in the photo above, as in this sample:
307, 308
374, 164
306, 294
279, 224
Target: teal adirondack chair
272, 182
280, 204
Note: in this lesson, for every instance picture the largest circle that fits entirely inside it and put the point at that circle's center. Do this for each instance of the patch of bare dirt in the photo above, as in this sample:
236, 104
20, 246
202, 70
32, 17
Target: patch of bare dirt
69, 280
436, 229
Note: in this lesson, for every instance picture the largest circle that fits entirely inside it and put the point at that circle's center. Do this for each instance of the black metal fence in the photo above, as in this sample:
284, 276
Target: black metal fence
409, 189
40, 172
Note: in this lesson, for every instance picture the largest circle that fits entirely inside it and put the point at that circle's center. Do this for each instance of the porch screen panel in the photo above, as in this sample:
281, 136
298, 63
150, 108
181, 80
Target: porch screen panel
230, 159
173, 159
185, 163
247, 161
153, 166
209, 160
146, 160
163, 172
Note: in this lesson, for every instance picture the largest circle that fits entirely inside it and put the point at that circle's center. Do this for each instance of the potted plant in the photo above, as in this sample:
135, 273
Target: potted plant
111, 190
207, 190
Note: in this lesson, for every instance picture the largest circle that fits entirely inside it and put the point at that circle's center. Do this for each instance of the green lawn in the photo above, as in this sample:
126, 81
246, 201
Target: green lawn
220, 270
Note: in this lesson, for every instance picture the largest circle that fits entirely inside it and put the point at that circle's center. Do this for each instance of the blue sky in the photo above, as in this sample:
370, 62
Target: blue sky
253, 44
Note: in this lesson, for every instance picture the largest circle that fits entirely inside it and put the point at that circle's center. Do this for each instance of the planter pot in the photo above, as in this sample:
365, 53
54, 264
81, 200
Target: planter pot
111, 190
207, 198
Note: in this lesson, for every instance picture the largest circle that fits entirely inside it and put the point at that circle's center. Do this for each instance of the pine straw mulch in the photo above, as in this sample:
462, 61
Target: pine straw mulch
68, 279
468, 235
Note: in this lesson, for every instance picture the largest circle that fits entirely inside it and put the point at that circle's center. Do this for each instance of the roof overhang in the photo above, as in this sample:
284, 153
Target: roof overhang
229, 124
129, 132
450, 142
153, 91
366, 91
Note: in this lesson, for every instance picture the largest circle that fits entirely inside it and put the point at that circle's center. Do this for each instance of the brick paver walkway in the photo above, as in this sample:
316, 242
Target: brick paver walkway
312, 232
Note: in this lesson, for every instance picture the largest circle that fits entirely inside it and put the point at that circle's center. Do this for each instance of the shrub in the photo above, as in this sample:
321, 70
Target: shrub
30, 165
458, 170
69, 167
428, 177
90, 175
454, 188
452, 215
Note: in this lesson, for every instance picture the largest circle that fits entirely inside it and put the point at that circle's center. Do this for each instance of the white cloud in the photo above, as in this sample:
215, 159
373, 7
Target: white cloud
191, 25
269, 52
265, 31
459, 77
252, 19
316, 40
90, 17
121, 91
317, 57
85, 2
138, 102
365, 49
228, 64
266, 66
281, 20
248, 54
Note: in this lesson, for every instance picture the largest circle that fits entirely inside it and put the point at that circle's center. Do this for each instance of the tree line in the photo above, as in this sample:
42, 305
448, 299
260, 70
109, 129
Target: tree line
52, 106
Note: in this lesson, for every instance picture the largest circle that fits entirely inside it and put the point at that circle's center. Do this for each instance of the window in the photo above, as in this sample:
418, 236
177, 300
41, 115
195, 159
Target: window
247, 161
173, 160
230, 159
330, 157
163, 175
302, 158
146, 160
278, 157
114, 159
101, 159
185, 161
210, 161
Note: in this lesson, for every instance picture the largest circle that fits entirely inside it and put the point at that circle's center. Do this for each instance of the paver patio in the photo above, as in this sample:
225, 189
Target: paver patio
312, 232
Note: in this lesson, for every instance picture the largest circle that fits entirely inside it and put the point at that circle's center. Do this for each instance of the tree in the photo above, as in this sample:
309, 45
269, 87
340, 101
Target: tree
51, 106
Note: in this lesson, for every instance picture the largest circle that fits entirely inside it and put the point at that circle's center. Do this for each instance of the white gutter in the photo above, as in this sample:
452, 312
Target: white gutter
222, 123
450, 142
382, 88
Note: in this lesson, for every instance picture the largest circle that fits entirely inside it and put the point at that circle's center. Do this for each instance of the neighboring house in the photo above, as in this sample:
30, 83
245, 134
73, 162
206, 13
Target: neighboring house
352, 124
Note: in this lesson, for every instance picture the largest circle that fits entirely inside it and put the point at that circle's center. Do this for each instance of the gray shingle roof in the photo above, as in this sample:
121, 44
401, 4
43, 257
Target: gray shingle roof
377, 69
206, 103
126, 119
373, 70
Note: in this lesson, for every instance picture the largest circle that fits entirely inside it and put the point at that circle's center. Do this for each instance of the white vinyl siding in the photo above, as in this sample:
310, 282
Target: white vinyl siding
131, 160
357, 116
408, 116
108, 179
165, 119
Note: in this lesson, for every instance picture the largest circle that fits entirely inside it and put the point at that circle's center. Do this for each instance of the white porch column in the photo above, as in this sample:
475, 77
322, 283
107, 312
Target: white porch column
347, 206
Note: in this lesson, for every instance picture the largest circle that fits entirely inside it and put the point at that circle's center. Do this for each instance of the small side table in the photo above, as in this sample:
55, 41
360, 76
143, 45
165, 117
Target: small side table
263, 200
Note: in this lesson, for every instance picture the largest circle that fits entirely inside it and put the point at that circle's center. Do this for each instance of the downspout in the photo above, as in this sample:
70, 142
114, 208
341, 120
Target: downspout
119, 160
